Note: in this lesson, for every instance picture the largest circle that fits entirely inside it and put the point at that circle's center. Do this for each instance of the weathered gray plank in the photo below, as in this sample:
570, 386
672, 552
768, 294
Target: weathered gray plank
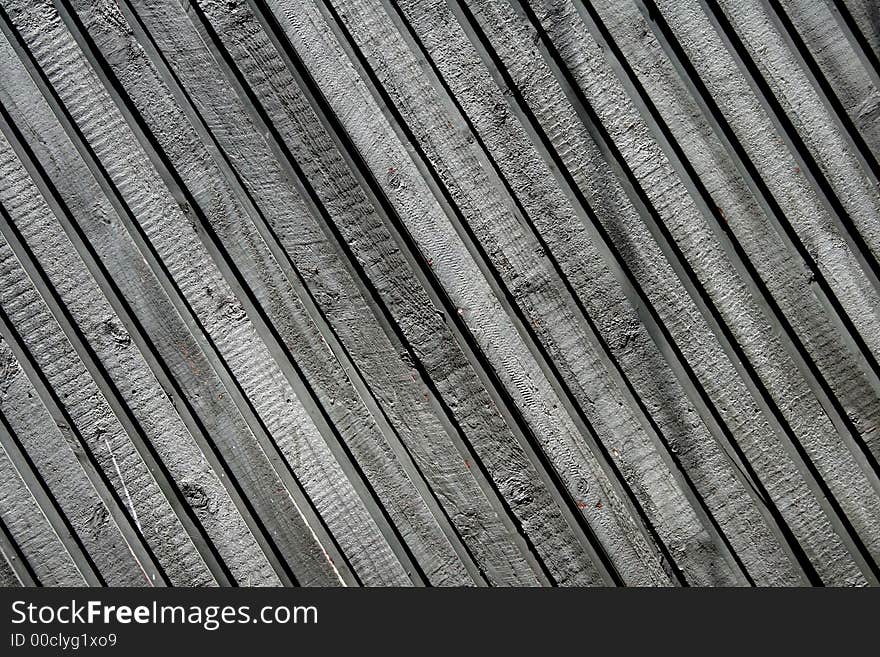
426, 292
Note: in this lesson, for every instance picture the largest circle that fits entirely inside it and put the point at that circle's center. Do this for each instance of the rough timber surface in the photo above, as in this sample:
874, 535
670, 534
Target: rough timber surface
439, 293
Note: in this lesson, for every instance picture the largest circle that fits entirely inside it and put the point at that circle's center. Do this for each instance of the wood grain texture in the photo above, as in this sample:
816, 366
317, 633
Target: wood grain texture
439, 293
